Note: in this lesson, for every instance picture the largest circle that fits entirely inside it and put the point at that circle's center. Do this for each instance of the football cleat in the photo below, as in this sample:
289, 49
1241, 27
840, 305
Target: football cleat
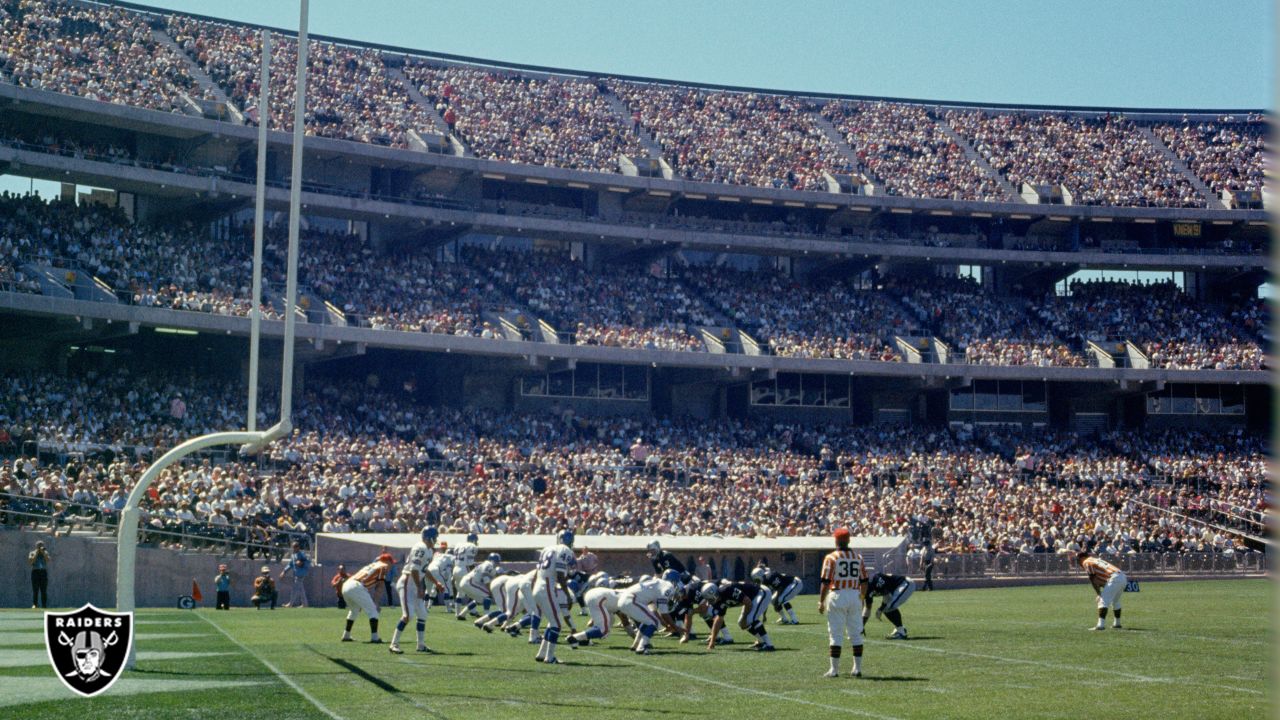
766, 648
551, 661
511, 630
1098, 627
479, 623
896, 635
395, 650
375, 641
1117, 626
460, 617
487, 628
424, 649
730, 641
346, 638
573, 642
831, 674
643, 651
855, 674
757, 645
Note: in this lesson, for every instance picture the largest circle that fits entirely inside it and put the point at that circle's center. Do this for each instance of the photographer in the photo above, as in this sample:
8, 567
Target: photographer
39, 561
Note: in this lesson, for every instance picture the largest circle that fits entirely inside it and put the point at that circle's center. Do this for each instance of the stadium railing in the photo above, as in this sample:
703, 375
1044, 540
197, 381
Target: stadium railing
250, 540
981, 565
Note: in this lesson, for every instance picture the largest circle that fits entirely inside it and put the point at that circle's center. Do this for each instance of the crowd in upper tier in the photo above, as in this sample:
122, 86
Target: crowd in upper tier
665, 305
1168, 326
909, 153
150, 60
1226, 154
367, 456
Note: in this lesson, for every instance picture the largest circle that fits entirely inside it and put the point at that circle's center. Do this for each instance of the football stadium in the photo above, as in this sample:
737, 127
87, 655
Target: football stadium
349, 380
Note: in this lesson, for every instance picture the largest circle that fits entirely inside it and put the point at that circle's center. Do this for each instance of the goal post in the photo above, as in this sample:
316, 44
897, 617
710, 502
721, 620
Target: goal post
250, 440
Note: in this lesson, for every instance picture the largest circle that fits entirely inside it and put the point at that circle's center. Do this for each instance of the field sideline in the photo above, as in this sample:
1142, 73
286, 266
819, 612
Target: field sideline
1190, 649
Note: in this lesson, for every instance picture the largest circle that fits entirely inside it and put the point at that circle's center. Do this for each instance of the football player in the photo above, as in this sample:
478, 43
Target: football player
474, 586
602, 606
356, 591
689, 604
754, 600
635, 602
843, 582
893, 591
551, 592
663, 560
441, 568
411, 588
784, 588
520, 591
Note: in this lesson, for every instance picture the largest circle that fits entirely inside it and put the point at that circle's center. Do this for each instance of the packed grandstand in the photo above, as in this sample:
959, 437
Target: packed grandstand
986, 368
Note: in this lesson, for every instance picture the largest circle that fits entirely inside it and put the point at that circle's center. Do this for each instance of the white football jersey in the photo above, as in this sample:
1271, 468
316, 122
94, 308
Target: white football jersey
654, 591
442, 569
556, 561
484, 573
419, 558
466, 555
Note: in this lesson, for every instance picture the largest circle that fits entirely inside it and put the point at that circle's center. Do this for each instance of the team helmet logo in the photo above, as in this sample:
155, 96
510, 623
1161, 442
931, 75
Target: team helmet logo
88, 647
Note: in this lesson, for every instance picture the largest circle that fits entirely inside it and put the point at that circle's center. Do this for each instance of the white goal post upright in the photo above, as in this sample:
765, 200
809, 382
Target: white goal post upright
249, 440
259, 220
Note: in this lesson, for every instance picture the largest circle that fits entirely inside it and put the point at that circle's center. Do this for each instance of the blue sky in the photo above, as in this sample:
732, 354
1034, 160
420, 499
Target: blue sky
1125, 53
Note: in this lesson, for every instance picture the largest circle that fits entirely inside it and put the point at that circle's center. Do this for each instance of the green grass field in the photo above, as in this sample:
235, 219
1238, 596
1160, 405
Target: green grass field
1190, 649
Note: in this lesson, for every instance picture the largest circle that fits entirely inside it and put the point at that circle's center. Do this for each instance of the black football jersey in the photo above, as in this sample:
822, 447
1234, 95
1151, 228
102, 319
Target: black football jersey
667, 561
881, 584
777, 581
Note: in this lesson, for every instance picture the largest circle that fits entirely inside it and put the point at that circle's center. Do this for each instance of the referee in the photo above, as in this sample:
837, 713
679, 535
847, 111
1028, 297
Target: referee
844, 582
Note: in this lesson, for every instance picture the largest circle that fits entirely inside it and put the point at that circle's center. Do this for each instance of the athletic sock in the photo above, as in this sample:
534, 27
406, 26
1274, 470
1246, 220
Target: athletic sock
422, 632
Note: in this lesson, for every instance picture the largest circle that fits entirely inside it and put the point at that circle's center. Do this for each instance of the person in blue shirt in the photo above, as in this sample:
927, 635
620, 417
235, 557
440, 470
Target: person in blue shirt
297, 569
222, 583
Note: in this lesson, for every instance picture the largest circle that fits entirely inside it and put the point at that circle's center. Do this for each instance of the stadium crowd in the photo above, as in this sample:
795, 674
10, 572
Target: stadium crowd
736, 138
1103, 161
986, 329
121, 56
350, 95
831, 320
903, 147
618, 306
1227, 155
97, 52
1170, 328
366, 457
558, 122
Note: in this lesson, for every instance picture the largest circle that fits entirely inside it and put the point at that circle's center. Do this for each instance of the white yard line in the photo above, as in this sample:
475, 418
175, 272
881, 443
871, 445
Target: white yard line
740, 688
283, 678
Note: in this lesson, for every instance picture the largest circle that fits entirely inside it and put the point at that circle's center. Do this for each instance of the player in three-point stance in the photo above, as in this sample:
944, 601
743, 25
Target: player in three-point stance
843, 581
506, 597
602, 605
474, 587
519, 593
689, 604
411, 587
893, 591
635, 601
1108, 582
784, 588
356, 592
551, 592
754, 600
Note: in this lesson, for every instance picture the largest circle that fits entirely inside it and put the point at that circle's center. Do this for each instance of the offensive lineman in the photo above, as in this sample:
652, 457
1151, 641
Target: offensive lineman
551, 592
634, 602
474, 587
893, 591
784, 587
602, 605
411, 587
844, 579
356, 592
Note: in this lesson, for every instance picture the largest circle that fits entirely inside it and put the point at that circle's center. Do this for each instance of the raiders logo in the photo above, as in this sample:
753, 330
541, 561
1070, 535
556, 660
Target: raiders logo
88, 647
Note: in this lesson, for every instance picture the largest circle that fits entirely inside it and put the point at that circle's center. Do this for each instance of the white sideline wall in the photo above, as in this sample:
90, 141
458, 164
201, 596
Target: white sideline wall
83, 568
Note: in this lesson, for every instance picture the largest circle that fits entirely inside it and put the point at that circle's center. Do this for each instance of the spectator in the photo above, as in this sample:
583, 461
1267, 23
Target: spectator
39, 559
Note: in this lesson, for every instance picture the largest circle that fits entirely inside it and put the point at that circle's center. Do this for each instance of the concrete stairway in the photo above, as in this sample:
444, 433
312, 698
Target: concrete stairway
624, 117
1010, 192
201, 77
1212, 199
437, 122
837, 138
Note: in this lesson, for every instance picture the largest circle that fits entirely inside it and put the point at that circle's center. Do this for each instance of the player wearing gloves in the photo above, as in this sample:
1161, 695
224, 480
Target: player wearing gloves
893, 591
784, 588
